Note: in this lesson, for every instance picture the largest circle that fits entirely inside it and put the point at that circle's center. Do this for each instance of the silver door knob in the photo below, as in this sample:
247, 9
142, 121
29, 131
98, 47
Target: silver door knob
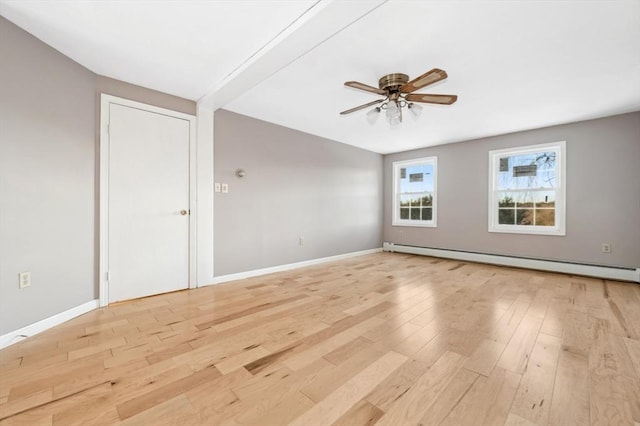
183, 212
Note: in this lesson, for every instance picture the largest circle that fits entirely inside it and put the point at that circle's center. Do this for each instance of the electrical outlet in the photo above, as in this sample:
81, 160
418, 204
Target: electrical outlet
24, 279
217, 187
606, 248
225, 188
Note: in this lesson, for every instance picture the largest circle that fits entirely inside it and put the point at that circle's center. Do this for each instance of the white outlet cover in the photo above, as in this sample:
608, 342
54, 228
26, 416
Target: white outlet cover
24, 279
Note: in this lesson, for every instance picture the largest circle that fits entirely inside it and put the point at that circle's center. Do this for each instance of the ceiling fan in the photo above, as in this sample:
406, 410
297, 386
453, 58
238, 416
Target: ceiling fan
398, 93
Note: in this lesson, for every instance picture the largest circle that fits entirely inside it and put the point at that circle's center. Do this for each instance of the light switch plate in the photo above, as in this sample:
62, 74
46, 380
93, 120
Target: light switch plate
217, 187
225, 188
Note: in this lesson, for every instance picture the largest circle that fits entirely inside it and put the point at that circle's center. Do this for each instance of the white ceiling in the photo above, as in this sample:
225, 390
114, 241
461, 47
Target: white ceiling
515, 65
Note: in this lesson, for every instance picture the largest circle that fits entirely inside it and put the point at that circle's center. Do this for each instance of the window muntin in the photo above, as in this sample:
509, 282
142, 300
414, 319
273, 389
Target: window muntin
527, 189
414, 193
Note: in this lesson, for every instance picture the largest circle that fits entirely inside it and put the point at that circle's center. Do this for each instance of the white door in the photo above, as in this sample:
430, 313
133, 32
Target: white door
148, 203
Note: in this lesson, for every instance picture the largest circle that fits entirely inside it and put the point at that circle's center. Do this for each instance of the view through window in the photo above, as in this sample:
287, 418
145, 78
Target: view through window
527, 191
415, 192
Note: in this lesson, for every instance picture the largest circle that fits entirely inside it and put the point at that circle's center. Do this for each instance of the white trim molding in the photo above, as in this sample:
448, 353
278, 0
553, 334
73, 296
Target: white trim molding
598, 271
288, 266
47, 323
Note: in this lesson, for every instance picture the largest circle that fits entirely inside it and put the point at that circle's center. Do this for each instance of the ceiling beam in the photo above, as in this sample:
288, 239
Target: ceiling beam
319, 23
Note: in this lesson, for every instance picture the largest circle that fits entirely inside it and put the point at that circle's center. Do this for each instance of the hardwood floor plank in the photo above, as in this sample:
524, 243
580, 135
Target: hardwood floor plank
177, 410
346, 351
21, 405
570, 402
324, 384
241, 359
391, 389
346, 396
361, 414
533, 399
554, 319
624, 301
633, 349
411, 406
305, 358
515, 420
612, 398
488, 401
449, 397
419, 339
516, 355
151, 399
485, 357
509, 322
385, 338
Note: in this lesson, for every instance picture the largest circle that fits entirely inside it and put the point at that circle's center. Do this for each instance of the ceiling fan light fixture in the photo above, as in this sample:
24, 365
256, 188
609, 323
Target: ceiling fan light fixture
392, 110
415, 109
372, 116
393, 113
399, 93
395, 121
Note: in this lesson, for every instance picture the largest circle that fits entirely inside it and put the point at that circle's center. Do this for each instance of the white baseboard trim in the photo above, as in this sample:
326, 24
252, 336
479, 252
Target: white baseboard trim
47, 323
606, 272
280, 268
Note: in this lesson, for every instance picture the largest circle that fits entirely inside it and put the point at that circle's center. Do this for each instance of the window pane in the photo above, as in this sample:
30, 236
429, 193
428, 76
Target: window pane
416, 178
506, 199
545, 198
524, 171
524, 217
524, 199
545, 217
414, 187
526, 190
546, 160
547, 179
506, 216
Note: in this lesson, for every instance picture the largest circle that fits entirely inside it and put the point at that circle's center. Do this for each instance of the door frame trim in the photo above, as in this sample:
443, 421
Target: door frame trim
103, 238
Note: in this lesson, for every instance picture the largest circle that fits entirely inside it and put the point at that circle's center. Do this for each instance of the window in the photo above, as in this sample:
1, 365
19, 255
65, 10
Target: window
414, 192
527, 189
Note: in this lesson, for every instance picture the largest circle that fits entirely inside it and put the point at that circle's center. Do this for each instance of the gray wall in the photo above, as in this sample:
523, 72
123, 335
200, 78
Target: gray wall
121, 89
603, 195
297, 185
49, 110
47, 150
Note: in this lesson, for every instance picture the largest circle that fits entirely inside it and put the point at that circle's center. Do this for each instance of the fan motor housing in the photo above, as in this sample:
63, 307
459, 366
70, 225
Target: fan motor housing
393, 82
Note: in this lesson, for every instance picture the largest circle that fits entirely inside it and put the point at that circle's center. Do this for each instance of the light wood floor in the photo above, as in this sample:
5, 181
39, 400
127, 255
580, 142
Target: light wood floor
385, 339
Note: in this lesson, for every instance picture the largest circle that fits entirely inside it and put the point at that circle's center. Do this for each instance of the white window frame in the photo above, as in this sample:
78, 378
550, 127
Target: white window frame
397, 165
560, 207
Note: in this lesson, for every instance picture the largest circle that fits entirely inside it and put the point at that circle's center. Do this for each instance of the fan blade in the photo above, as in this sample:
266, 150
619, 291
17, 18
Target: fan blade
365, 87
349, 111
431, 99
424, 80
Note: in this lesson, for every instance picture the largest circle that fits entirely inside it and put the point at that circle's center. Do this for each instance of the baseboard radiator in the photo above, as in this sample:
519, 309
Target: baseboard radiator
605, 272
